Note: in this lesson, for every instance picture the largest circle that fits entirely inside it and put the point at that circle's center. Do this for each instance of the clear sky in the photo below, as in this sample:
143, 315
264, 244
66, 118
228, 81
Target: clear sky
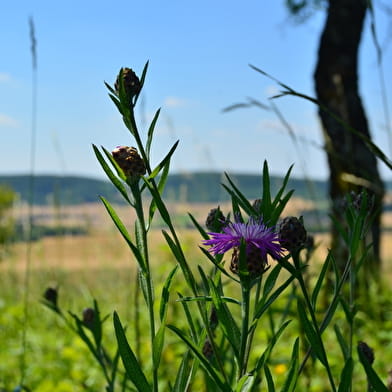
199, 53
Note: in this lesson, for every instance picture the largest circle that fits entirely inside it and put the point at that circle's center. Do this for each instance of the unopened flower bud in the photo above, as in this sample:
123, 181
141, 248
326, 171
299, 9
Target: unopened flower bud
129, 161
208, 350
257, 205
213, 318
131, 82
256, 261
215, 220
366, 351
51, 295
292, 233
88, 315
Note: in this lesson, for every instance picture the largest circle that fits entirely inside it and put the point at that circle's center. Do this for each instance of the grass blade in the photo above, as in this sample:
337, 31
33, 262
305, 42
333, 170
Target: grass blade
130, 362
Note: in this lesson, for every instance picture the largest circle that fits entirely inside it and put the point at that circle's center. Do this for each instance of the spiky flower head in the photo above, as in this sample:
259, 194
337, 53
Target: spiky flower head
292, 233
215, 220
129, 161
259, 240
131, 82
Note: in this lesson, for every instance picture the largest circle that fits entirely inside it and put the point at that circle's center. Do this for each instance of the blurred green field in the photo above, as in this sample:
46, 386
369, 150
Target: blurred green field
99, 266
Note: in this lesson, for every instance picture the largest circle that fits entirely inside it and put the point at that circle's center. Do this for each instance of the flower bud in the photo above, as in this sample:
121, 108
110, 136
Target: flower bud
257, 205
51, 295
208, 350
256, 261
292, 233
215, 220
88, 315
131, 82
366, 351
129, 160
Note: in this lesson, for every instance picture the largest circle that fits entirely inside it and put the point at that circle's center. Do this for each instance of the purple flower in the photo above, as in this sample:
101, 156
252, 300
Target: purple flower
255, 234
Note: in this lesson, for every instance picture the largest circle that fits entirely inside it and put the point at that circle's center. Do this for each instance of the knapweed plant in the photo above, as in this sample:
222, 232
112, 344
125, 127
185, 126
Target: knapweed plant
238, 306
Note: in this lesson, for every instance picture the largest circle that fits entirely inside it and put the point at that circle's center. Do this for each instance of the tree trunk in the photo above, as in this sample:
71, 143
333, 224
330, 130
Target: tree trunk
353, 166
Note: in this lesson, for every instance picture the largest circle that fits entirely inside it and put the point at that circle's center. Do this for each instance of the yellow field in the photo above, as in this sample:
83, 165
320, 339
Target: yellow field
103, 247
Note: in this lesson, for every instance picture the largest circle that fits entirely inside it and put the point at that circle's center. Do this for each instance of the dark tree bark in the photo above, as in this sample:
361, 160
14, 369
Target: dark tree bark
352, 165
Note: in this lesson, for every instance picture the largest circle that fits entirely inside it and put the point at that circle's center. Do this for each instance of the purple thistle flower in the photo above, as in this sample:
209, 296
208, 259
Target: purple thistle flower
255, 234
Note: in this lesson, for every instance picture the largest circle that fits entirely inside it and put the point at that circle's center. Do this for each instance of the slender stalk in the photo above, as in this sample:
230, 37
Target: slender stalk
147, 275
31, 201
245, 308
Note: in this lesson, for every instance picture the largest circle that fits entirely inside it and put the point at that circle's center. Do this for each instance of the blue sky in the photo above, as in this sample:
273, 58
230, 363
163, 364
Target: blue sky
199, 54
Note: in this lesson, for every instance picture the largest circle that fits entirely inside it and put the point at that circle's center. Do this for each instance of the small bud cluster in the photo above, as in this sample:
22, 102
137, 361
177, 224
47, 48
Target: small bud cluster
292, 234
131, 82
129, 161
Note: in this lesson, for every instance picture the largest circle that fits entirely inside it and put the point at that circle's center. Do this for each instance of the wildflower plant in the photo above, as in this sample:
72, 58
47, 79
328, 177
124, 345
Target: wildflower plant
254, 259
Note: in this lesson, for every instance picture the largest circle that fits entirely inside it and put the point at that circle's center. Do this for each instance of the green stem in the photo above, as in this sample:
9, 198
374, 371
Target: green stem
147, 275
245, 307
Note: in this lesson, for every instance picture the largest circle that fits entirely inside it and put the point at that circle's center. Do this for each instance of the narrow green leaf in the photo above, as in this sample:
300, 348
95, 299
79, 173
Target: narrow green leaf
184, 374
311, 334
342, 343
142, 80
122, 229
277, 211
160, 187
97, 325
245, 383
271, 280
115, 181
292, 376
215, 376
119, 171
270, 380
216, 260
82, 334
263, 306
130, 362
208, 298
158, 201
143, 285
239, 195
166, 293
164, 161
373, 378
200, 229
320, 281
226, 321
266, 194
116, 103
188, 314
278, 197
263, 359
177, 252
150, 133
157, 345
346, 376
